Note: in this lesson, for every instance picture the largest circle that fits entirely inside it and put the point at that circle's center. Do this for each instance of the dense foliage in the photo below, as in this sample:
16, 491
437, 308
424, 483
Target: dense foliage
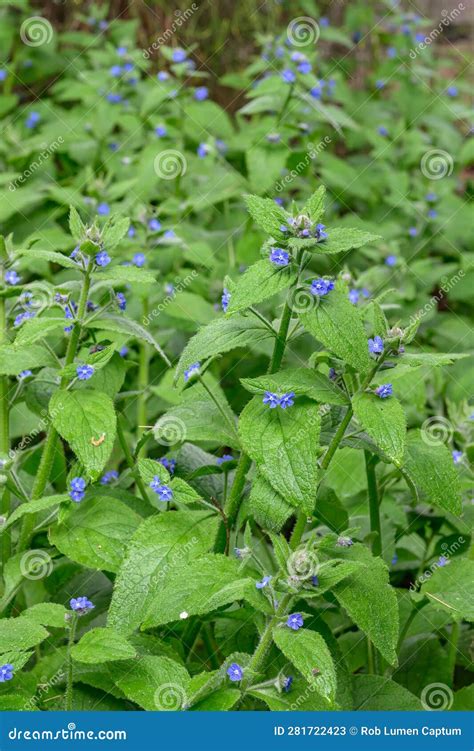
236, 394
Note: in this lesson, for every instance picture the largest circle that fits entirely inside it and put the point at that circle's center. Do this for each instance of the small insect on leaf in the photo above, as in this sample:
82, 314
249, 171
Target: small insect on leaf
98, 441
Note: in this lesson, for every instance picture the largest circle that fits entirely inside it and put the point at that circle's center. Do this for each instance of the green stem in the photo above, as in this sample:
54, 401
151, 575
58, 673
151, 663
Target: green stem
453, 648
143, 381
233, 502
280, 343
5, 506
374, 506
49, 448
257, 660
331, 449
69, 668
298, 530
370, 658
130, 461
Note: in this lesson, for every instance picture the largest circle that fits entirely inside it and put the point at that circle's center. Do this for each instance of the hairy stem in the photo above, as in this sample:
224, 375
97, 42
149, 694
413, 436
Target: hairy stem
69, 669
4, 416
143, 380
374, 506
130, 461
452, 649
258, 658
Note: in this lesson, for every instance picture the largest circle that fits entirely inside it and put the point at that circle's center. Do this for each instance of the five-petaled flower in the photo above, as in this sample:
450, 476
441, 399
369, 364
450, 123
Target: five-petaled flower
273, 400
376, 345
457, 456
279, 257
295, 621
102, 258
287, 400
384, 391
163, 491
224, 458
321, 287
6, 672
77, 491
84, 372
81, 605
263, 583
235, 672
225, 299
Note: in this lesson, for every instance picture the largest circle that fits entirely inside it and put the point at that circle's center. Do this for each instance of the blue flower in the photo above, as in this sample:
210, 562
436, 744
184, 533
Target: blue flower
102, 258
431, 197
273, 400
391, 260
344, 542
382, 131
286, 683
77, 489
154, 225
103, 209
263, 583
81, 605
224, 458
162, 75
384, 391
235, 672
413, 231
139, 260
109, 477
201, 93
202, 150
225, 299
3, 74
295, 621
354, 296
287, 400
191, 371
452, 91
321, 287
121, 51
123, 351
161, 131
394, 560
169, 464
21, 317
324, 21
179, 55
24, 374
315, 581
316, 92
116, 71
114, 98
379, 84
288, 76
443, 561
279, 257
432, 214
163, 491
11, 277
128, 67
304, 67
376, 345
457, 457
319, 232
6, 672
391, 52
32, 120
84, 372
121, 300
274, 138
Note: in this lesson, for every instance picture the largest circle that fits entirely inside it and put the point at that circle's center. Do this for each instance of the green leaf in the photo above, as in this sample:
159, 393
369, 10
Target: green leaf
157, 545
266, 506
377, 693
76, 227
46, 614
284, 444
338, 325
219, 701
126, 275
95, 532
123, 325
451, 588
308, 652
195, 587
14, 359
20, 634
98, 360
34, 254
370, 601
314, 207
84, 418
156, 684
384, 420
219, 336
114, 230
36, 329
33, 507
433, 359
102, 645
430, 468
266, 214
261, 280
304, 381
342, 239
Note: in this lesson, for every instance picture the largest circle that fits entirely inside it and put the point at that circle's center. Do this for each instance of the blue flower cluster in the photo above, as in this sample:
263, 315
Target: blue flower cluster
81, 605
279, 257
321, 287
384, 391
77, 491
109, 477
163, 491
283, 401
6, 672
